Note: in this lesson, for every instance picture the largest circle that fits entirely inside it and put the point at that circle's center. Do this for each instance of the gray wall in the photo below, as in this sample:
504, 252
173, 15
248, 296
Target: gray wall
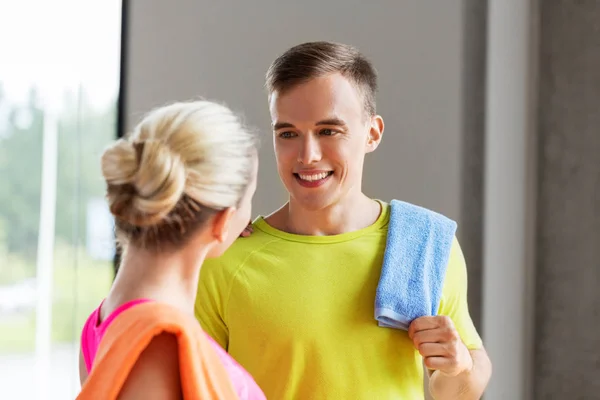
541, 301
567, 345
185, 49
473, 141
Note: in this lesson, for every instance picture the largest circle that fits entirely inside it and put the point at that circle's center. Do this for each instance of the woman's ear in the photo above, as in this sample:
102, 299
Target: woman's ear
221, 222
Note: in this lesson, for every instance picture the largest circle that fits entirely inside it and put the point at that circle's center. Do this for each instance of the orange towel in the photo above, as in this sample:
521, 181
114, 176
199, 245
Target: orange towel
202, 374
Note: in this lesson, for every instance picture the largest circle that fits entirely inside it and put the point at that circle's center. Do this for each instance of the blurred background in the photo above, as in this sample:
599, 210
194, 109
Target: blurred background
492, 112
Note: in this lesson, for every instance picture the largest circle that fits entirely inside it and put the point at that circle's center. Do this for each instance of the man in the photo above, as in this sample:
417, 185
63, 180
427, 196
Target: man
293, 302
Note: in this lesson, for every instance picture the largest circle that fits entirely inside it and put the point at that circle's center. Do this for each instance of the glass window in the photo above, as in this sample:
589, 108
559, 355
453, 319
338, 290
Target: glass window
59, 81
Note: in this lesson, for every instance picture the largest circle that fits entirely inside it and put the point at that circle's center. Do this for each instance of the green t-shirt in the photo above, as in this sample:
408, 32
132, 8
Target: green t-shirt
298, 313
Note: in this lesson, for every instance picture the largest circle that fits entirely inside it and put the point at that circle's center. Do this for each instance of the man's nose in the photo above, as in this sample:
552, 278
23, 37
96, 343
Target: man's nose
310, 151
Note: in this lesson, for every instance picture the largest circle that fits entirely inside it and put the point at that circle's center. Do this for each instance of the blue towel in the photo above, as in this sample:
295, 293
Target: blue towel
414, 265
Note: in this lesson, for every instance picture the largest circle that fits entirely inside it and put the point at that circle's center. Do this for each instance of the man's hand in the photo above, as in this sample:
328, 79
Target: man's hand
440, 345
247, 230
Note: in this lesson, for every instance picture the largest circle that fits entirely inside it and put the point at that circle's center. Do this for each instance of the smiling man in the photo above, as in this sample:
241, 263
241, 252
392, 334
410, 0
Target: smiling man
293, 302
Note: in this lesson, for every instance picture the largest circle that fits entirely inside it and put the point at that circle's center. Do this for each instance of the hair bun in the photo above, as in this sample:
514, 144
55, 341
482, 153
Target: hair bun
146, 180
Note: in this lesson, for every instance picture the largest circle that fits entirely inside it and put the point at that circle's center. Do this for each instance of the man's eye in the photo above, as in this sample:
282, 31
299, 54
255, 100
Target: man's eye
286, 135
327, 132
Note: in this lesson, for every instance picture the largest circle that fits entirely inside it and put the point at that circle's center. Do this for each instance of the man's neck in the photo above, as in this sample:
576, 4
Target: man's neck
345, 216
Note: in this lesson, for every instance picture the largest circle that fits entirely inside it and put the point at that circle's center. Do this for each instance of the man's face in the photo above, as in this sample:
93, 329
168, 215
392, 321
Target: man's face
321, 136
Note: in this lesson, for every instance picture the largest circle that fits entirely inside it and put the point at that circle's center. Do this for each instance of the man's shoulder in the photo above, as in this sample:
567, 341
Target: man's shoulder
405, 207
238, 252
456, 270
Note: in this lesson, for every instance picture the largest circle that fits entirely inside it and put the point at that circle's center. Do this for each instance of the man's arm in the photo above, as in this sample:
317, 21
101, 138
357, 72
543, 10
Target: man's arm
466, 385
453, 352
456, 372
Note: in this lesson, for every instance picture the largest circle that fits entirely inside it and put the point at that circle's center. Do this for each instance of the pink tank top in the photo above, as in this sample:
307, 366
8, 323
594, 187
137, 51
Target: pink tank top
94, 330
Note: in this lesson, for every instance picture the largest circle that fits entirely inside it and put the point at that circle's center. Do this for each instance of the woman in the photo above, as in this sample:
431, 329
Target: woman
180, 189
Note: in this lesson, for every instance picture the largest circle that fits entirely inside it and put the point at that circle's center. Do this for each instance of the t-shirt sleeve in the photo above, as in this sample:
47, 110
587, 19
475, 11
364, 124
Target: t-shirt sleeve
454, 298
210, 301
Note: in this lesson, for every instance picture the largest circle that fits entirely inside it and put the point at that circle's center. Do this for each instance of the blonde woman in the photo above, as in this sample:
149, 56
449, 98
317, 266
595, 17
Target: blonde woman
180, 189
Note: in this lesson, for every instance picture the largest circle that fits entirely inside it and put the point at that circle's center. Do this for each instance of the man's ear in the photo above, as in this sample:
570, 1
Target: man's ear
221, 222
375, 133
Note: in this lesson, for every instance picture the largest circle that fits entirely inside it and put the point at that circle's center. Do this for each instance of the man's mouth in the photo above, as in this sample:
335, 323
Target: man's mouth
313, 179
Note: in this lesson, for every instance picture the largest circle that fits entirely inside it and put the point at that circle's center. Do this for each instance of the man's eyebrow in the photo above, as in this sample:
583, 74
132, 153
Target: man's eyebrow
332, 121
328, 121
281, 125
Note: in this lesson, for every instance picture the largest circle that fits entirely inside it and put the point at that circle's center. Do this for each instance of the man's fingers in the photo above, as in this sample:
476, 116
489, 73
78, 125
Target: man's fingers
428, 336
438, 341
441, 363
446, 365
426, 323
422, 324
432, 350
247, 230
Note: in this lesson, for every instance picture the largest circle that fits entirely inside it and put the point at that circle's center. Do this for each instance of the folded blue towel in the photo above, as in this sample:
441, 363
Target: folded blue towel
414, 265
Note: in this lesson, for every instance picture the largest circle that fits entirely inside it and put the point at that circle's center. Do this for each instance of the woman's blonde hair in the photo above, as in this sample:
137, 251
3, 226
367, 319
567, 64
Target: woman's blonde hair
182, 163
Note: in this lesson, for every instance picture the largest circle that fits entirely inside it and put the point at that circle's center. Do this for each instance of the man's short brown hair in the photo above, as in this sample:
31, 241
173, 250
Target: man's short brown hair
313, 59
